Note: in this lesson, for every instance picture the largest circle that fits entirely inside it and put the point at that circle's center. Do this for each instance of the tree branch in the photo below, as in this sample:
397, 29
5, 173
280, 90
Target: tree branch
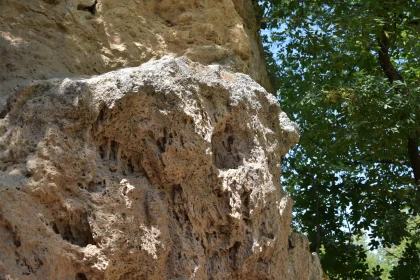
392, 254
352, 69
384, 59
413, 153
393, 75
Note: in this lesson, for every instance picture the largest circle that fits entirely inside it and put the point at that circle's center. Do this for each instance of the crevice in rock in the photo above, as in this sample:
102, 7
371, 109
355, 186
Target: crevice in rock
290, 246
130, 162
80, 276
233, 254
161, 143
130, 166
16, 240
102, 152
30, 264
14, 232
73, 226
169, 23
222, 200
113, 151
91, 9
265, 231
245, 204
97, 127
3, 113
230, 146
52, 2
176, 194
119, 159
95, 187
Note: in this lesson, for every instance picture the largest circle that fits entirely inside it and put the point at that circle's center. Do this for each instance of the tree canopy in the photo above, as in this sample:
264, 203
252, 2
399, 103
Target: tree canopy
348, 72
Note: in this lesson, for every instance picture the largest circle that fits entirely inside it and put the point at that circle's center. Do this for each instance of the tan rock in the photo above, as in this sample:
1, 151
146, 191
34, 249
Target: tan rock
60, 38
170, 170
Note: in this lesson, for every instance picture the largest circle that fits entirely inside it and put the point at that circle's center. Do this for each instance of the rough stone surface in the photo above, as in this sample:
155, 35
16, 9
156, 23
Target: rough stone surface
63, 38
170, 170
165, 171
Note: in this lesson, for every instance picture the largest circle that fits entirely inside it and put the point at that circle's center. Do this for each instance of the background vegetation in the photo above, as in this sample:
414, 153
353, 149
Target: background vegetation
348, 72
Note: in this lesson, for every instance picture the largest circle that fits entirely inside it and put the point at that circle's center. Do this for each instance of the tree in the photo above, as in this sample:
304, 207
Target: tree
348, 72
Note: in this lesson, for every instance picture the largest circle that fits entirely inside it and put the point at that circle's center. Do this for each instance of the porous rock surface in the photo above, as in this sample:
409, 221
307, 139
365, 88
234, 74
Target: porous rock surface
170, 170
63, 38
166, 171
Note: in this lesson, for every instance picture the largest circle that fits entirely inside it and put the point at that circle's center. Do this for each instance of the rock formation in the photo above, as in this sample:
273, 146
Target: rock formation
167, 170
41, 39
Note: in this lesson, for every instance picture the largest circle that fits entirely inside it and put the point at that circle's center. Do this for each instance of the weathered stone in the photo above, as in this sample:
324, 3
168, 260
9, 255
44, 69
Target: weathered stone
42, 39
170, 170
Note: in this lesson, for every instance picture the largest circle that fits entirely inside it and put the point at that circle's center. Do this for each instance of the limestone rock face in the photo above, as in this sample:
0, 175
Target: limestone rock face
170, 170
63, 38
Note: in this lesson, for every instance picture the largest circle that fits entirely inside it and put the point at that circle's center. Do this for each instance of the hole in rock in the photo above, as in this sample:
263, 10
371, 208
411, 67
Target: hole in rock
95, 187
91, 9
130, 166
73, 226
80, 276
245, 203
113, 155
101, 116
290, 244
176, 193
176, 216
230, 146
3, 114
233, 252
16, 241
52, 2
55, 229
102, 152
230, 143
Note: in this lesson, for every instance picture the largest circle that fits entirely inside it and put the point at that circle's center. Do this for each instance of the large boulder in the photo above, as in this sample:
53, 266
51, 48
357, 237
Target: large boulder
170, 170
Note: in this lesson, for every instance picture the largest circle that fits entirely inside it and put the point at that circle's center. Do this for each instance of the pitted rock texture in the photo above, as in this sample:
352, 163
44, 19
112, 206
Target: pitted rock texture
63, 38
170, 170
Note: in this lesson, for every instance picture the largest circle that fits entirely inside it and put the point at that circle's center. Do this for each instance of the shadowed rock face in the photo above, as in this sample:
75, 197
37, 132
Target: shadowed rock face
43, 39
170, 170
